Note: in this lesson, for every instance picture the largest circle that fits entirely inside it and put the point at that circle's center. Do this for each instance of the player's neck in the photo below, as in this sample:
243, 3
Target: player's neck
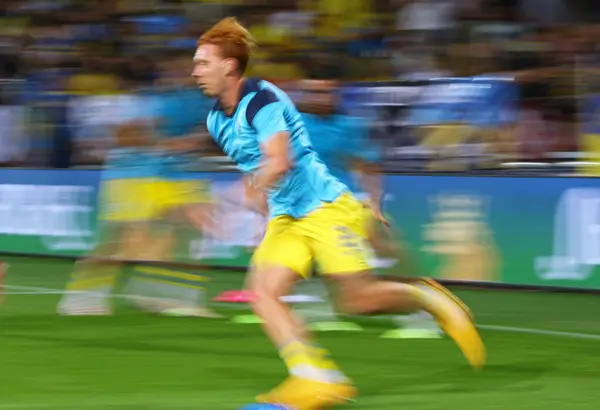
230, 97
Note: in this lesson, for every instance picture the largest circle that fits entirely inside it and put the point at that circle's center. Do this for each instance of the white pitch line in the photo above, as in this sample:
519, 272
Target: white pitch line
543, 332
33, 290
36, 292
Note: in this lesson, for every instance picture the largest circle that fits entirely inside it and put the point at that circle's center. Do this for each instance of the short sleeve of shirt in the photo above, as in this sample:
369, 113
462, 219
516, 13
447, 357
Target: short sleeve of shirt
266, 114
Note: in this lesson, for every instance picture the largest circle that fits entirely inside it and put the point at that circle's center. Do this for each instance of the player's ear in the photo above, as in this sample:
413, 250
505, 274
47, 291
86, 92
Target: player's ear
229, 66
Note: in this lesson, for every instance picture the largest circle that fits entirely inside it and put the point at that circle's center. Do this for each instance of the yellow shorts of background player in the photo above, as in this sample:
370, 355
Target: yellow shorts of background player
333, 236
146, 199
176, 193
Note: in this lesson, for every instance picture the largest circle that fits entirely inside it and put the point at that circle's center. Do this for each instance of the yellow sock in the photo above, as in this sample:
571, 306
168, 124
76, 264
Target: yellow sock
296, 353
98, 278
322, 357
311, 361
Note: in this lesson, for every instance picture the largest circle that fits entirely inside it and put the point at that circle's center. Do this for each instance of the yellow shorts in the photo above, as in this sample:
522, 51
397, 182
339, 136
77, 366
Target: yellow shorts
144, 199
130, 199
333, 236
176, 193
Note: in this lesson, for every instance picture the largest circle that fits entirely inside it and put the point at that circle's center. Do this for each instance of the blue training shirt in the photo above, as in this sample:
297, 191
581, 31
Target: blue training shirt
134, 162
340, 140
129, 162
263, 111
178, 113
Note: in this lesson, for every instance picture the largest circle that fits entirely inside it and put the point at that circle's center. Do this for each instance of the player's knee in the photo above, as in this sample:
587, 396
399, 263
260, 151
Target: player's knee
261, 294
356, 295
270, 284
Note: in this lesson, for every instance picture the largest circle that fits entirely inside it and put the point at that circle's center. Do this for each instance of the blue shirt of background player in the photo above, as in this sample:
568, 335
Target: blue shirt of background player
134, 162
128, 162
340, 140
263, 111
178, 112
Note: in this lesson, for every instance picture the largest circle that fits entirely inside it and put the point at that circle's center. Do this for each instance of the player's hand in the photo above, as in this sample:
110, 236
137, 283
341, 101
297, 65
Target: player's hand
201, 217
255, 198
378, 213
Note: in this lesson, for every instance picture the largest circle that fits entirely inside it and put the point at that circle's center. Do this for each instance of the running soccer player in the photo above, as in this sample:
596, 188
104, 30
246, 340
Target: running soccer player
313, 218
342, 143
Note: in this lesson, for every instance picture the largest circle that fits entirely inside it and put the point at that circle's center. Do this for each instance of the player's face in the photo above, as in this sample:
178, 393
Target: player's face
319, 94
209, 70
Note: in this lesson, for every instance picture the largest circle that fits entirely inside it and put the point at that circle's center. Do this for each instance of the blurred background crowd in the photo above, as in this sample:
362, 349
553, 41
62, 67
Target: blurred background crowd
71, 70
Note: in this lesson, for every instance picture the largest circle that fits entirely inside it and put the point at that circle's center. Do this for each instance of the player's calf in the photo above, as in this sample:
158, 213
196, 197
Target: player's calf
364, 294
302, 356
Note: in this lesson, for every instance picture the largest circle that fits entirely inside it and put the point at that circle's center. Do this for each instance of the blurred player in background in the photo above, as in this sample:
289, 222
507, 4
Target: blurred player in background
137, 202
178, 109
343, 143
313, 218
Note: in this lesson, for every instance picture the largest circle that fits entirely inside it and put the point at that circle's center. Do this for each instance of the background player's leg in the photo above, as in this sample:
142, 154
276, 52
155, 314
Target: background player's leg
168, 290
125, 206
93, 277
399, 265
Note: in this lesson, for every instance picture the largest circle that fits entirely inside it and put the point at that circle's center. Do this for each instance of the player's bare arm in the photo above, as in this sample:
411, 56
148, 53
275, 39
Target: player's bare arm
275, 161
274, 165
371, 181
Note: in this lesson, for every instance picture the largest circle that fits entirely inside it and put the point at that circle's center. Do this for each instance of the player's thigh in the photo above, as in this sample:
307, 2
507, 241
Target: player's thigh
283, 247
138, 241
108, 239
338, 236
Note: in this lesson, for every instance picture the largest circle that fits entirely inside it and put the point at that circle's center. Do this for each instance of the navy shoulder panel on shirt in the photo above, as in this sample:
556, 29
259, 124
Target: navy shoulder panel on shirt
216, 106
251, 85
262, 98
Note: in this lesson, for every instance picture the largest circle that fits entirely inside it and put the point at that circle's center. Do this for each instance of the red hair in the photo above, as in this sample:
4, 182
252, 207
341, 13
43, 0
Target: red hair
233, 40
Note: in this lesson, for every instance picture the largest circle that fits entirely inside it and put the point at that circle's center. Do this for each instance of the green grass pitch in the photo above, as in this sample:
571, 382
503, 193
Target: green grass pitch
139, 362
